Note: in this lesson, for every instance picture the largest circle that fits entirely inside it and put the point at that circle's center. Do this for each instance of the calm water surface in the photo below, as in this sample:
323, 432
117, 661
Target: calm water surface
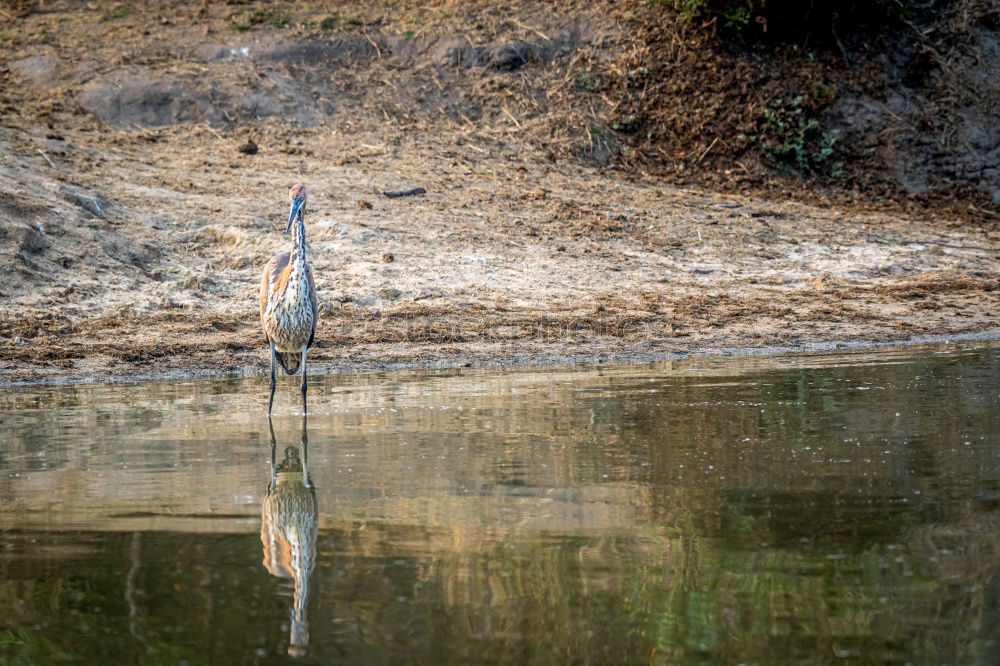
819, 509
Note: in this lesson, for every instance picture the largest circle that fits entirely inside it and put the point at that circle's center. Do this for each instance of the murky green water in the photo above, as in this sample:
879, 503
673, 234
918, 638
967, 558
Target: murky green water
823, 509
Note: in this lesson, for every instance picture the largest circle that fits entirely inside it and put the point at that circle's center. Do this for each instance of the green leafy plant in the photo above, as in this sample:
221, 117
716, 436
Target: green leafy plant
278, 17
342, 22
736, 18
734, 15
790, 138
588, 79
686, 9
626, 124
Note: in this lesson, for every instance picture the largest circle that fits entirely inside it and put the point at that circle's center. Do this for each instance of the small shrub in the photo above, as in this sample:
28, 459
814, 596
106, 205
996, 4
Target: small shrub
789, 138
626, 124
687, 9
792, 20
342, 22
121, 11
278, 17
588, 79
736, 18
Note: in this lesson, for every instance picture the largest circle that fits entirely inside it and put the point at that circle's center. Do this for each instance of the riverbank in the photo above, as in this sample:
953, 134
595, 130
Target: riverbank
132, 244
499, 260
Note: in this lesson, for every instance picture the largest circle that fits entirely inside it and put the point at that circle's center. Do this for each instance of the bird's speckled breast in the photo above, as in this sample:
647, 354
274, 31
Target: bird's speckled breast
290, 315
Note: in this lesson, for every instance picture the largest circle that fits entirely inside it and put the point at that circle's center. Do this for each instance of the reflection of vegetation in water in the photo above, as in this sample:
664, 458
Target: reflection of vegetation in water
31, 647
678, 520
667, 595
193, 598
763, 605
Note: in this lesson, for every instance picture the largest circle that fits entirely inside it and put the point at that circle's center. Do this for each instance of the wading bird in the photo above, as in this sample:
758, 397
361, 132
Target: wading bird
288, 309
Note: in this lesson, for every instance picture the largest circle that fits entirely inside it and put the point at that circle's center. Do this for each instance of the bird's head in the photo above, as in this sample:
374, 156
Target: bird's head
298, 196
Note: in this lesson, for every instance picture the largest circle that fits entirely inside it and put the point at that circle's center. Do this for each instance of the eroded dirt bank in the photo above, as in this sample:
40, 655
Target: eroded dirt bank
134, 220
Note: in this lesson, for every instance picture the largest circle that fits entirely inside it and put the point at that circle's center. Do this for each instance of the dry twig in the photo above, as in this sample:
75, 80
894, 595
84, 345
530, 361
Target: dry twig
51, 163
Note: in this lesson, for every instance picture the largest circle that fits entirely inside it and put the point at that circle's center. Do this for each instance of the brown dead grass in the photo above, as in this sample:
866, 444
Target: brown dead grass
610, 326
515, 252
941, 282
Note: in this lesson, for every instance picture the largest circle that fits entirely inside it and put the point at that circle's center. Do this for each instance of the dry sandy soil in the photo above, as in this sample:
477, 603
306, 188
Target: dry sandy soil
133, 227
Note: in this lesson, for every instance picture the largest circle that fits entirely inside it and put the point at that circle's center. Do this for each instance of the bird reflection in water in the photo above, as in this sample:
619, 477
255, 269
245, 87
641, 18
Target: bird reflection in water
288, 531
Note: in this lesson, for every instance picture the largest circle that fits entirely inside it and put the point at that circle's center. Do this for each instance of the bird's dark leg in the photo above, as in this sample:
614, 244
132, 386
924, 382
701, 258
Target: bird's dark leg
274, 449
305, 453
305, 350
270, 403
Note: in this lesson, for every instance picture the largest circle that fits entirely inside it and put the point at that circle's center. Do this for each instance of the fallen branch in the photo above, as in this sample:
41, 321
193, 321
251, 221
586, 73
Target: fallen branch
707, 150
404, 193
511, 116
378, 51
51, 163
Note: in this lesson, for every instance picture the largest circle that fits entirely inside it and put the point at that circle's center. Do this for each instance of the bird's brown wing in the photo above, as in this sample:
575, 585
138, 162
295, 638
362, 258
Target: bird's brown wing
271, 270
265, 282
313, 299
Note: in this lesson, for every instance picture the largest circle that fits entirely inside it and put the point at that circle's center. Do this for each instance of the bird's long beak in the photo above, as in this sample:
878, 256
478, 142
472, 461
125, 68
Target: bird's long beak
296, 207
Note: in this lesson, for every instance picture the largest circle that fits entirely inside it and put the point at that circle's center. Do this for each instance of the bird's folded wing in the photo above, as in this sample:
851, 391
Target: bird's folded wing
314, 301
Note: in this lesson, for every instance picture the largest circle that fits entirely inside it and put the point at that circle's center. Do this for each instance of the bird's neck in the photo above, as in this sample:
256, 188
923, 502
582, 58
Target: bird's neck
299, 241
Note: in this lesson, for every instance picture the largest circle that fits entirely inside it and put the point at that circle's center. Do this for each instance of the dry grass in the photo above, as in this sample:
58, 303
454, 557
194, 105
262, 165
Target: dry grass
515, 251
